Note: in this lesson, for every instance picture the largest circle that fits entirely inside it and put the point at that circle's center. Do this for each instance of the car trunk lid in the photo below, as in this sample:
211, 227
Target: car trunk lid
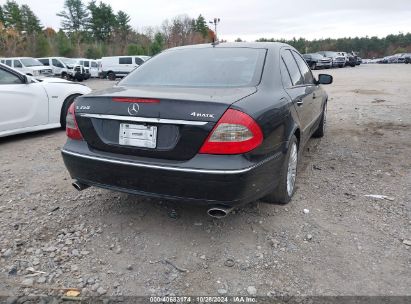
159, 122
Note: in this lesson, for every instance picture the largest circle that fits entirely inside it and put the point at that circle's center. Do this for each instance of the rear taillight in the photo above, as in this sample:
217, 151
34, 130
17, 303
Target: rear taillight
72, 129
235, 133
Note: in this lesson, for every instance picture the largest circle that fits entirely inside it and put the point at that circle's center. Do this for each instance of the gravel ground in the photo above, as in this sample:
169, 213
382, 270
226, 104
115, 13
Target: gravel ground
107, 243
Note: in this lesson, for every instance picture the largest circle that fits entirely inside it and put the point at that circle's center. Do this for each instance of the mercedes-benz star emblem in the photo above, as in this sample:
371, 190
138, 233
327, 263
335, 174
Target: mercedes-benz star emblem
133, 109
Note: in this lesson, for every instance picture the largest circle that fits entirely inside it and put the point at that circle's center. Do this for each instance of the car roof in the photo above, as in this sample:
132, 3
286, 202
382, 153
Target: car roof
254, 45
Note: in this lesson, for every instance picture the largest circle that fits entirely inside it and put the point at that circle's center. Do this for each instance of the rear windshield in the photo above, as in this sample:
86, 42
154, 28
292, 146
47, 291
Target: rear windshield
207, 67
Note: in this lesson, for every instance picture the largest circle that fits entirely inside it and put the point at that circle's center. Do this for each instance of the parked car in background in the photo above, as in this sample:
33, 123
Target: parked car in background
29, 104
403, 57
317, 61
85, 64
201, 123
350, 59
99, 70
75, 71
407, 58
90, 66
338, 60
28, 66
56, 64
119, 66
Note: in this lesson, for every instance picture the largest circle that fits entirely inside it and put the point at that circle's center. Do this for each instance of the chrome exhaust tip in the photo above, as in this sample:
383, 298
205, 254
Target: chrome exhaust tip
219, 211
79, 186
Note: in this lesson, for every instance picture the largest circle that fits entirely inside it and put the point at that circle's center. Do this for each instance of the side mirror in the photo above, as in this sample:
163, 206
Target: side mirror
325, 79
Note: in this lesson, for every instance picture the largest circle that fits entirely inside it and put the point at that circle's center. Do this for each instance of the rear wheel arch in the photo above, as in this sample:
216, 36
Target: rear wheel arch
64, 108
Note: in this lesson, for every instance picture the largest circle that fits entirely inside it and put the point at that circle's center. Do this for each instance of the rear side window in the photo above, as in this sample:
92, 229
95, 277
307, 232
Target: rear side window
138, 60
87, 64
17, 64
93, 64
125, 60
296, 77
8, 62
308, 76
201, 67
285, 75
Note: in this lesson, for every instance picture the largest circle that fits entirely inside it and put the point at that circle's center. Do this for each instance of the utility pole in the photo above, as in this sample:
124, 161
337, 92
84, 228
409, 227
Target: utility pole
215, 22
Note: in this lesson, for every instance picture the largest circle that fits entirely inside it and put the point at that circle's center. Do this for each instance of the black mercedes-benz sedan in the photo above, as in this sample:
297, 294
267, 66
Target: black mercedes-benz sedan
216, 124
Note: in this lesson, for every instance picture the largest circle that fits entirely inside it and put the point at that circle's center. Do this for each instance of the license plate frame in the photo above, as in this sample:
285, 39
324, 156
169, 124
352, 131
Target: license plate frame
137, 135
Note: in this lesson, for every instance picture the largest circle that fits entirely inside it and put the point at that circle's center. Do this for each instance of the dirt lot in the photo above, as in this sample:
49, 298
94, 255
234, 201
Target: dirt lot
116, 244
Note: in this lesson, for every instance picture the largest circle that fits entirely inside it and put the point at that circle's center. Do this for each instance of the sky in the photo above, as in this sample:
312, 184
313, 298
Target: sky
250, 20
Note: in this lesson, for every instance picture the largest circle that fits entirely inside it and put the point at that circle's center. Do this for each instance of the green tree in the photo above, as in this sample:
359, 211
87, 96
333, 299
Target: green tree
2, 20
30, 22
42, 46
123, 24
64, 44
74, 16
102, 21
135, 49
158, 44
74, 20
12, 15
93, 52
200, 26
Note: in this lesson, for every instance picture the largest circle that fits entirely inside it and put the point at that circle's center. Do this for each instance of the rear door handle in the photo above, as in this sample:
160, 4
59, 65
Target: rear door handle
300, 102
314, 96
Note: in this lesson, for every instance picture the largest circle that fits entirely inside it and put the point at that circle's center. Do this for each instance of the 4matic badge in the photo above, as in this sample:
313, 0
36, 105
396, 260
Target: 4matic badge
203, 115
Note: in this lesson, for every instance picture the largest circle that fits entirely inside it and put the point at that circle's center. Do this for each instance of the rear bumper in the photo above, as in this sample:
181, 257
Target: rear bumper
205, 179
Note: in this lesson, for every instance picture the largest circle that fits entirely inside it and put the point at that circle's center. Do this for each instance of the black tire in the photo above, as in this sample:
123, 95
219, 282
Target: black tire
341, 66
64, 76
66, 105
79, 77
281, 195
111, 76
323, 123
313, 66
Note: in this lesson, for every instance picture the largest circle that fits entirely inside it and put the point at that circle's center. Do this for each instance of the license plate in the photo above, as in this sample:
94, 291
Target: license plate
138, 136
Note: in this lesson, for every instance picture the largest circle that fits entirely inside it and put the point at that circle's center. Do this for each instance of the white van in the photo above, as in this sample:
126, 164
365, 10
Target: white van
90, 65
119, 66
28, 66
56, 64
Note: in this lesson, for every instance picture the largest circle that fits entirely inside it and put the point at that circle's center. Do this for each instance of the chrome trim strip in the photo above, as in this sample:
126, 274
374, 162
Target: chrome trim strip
145, 119
129, 163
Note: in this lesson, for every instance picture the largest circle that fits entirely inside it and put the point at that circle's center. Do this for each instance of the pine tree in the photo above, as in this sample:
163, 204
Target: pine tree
30, 22
102, 21
201, 26
12, 16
